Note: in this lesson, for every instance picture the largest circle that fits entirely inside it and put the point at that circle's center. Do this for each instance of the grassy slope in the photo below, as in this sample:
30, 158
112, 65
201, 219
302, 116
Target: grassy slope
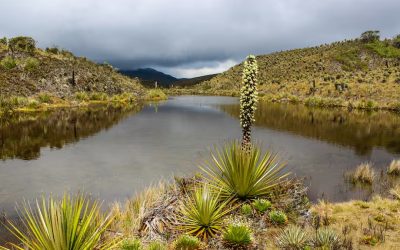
371, 72
53, 74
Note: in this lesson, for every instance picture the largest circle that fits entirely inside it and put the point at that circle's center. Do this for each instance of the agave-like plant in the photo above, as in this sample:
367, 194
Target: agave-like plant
71, 223
293, 237
243, 173
202, 212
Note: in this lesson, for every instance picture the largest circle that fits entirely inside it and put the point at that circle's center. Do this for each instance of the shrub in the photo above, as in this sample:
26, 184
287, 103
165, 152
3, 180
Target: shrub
241, 173
44, 98
8, 62
326, 238
364, 173
262, 205
98, 96
246, 209
370, 36
131, 244
201, 213
278, 217
71, 223
53, 50
3, 41
157, 246
81, 96
31, 64
237, 235
186, 242
293, 237
394, 168
155, 95
22, 43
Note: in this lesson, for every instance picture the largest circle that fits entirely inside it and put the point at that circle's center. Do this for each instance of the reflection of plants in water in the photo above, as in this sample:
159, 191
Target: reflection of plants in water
357, 129
23, 134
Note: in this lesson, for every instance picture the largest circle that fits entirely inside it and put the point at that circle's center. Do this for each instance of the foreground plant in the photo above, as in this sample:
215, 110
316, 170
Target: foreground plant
293, 237
394, 168
262, 205
327, 238
240, 173
68, 224
237, 235
201, 213
248, 98
364, 173
186, 242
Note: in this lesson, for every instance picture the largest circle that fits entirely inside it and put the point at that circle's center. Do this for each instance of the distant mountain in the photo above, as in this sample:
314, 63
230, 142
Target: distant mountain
193, 81
149, 76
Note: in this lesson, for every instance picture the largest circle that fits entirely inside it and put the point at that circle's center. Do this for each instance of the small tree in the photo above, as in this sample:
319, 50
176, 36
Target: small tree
370, 36
22, 43
396, 41
248, 98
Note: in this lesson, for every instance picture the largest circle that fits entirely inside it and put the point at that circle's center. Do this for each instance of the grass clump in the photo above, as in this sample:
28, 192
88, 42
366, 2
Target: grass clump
202, 212
81, 96
98, 96
293, 237
327, 238
262, 205
8, 62
278, 217
394, 168
240, 173
71, 223
155, 95
395, 191
31, 64
186, 242
157, 245
246, 210
44, 98
364, 174
237, 235
131, 244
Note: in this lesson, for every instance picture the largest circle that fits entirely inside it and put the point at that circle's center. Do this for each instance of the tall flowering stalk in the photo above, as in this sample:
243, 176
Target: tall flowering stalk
248, 98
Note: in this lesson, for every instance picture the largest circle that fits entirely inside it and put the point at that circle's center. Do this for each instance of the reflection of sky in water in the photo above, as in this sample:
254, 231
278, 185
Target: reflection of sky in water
170, 139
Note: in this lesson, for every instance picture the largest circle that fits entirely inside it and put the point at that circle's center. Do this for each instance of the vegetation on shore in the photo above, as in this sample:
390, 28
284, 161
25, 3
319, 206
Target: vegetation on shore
243, 198
361, 73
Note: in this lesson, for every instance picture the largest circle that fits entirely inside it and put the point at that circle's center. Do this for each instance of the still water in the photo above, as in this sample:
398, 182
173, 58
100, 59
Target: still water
112, 152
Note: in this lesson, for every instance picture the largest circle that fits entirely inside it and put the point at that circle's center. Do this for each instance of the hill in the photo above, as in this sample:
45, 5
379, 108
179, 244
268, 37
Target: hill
149, 76
193, 81
350, 73
26, 71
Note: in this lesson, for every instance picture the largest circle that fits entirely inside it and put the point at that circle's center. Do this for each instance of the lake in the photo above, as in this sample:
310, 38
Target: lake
113, 152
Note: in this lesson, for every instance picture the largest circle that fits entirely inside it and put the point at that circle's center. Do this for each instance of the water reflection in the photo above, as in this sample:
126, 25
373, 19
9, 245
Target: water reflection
360, 130
22, 135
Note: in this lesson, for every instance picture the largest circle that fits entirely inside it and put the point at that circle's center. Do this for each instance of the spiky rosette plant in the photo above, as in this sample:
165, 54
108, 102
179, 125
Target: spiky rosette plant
248, 98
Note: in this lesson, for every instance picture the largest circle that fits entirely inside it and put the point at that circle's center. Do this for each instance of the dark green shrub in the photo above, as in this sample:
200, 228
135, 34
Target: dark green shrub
53, 50
186, 242
262, 205
22, 43
131, 244
370, 36
3, 41
8, 62
278, 217
237, 235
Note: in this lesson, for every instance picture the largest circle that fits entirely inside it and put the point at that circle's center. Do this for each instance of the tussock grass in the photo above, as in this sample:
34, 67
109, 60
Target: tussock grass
364, 173
394, 168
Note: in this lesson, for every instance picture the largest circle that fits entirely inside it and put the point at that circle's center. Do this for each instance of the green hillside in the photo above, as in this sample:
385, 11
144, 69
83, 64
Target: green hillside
26, 70
353, 73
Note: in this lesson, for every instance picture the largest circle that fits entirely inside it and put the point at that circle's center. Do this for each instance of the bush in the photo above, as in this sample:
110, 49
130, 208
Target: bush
293, 237
31, 64
71, 223
22, 43
157, 246
53, 50
3, 41
364, 173
394, 168
131, 244
262, 205
8, 62
201, 213
237, 235
246, 209
186, 242
81, 96
326, 238
243, 174
370, 36
156, 94
278, 217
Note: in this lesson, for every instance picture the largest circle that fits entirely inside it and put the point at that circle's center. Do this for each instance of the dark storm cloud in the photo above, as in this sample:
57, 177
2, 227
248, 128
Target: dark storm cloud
179, 35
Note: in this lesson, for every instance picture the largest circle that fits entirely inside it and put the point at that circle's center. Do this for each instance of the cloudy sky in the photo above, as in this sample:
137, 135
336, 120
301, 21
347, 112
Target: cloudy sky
188, 38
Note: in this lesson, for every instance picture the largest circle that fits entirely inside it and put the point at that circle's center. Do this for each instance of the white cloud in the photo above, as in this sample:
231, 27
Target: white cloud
194, 71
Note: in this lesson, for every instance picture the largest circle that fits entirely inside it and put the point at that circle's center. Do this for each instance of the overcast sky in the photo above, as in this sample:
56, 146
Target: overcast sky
188, 38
